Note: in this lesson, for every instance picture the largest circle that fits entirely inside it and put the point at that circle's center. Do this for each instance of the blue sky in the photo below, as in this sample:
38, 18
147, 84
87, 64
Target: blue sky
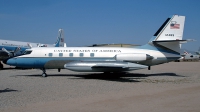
87, 22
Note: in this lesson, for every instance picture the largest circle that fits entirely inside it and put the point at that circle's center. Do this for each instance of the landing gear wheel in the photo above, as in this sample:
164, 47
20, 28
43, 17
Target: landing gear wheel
44, 75
44, 72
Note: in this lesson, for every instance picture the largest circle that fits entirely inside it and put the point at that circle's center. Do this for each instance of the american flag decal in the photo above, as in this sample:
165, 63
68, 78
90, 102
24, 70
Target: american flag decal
174, 26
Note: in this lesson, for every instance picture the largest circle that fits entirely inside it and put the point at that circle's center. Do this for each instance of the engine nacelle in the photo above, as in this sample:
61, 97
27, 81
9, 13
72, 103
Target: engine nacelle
133, 57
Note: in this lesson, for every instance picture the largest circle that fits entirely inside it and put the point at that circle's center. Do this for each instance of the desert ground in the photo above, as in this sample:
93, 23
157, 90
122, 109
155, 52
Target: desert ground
170, 87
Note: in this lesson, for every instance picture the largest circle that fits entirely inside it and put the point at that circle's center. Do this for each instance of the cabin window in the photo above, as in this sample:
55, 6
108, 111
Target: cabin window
60, 54
91, 54
71, 54
81, 54
27, 52
50, 54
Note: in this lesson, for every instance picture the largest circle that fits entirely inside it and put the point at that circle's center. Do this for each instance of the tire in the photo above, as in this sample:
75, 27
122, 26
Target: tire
44, 75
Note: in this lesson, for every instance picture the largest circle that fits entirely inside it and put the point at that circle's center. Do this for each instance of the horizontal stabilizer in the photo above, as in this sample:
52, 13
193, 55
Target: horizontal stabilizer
181, 41
172, 45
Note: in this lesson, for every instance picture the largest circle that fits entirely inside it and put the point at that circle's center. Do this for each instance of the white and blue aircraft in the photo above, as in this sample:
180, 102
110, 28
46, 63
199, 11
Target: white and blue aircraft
163, 47
10, 48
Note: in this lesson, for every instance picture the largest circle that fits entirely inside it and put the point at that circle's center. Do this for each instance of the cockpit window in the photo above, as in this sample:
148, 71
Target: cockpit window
27, 52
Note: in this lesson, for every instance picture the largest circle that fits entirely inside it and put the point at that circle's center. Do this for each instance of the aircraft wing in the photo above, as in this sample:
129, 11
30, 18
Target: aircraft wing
102, 66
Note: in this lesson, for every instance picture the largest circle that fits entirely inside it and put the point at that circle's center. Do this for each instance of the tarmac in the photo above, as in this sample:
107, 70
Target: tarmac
170, 87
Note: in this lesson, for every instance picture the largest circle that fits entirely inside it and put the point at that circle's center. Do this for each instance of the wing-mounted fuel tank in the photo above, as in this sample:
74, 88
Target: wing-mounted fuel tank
134, 57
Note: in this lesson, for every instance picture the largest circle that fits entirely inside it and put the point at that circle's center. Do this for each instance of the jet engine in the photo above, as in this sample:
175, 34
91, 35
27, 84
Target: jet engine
133, 57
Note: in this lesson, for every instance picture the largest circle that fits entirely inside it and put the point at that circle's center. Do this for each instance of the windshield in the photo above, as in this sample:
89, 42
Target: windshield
27, 52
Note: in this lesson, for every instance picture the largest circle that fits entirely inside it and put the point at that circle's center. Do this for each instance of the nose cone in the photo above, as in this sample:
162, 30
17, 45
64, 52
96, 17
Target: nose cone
11, 61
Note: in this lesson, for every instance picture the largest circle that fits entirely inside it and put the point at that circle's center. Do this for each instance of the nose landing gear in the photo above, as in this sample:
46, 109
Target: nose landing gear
44, 72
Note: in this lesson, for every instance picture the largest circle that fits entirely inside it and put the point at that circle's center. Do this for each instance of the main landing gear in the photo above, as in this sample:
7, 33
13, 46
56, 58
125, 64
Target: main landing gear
44, 72
149, 67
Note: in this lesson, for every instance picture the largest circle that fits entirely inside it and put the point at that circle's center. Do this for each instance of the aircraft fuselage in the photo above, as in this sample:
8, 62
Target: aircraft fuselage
75, 58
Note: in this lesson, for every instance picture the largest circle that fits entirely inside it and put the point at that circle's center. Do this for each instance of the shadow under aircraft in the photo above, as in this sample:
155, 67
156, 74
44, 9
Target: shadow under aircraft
8, 90
118, 77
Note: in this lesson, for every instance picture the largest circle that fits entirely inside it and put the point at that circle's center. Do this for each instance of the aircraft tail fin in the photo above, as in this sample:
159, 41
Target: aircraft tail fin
172, 29
169, 35
29, 45
60, 41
